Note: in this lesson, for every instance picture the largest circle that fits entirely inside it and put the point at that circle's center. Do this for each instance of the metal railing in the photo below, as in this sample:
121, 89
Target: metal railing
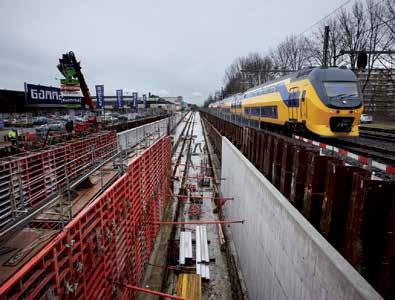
27, 180
33, 181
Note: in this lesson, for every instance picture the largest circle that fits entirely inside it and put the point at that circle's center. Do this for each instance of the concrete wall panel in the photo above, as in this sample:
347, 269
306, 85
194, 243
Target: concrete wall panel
281, 255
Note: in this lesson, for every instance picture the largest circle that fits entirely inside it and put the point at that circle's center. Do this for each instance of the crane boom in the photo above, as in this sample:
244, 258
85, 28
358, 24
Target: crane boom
84, 87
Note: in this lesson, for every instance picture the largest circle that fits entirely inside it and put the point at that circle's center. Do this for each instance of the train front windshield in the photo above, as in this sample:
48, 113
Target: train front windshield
338, 89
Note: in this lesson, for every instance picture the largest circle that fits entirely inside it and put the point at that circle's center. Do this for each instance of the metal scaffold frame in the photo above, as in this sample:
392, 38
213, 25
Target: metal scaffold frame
108, 242
29, 181
32, 182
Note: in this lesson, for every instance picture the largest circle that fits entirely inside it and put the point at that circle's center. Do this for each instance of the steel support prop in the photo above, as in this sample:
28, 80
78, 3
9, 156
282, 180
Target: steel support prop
151, 292
195, 222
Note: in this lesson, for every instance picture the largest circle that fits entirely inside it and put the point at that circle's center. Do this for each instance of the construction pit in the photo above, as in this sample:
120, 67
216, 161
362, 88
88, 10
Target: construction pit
170, 218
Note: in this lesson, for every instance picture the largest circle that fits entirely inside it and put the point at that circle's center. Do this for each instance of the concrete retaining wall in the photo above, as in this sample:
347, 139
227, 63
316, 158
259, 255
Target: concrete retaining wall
281, 255
132, 137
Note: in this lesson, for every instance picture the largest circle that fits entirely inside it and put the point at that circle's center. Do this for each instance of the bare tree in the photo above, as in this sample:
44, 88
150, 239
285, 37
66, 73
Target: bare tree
388, 17
352, 29
386, 40
366, 26
256, 69
233, 79
333, 44
208, 101
246, 72
292, 54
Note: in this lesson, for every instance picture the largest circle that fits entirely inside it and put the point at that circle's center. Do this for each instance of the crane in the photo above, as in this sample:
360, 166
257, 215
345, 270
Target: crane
71, 70
74, 81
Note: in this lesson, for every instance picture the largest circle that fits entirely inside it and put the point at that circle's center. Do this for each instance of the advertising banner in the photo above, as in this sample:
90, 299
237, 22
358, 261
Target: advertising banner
40, 94
70, 85
135, 100
100, 96
145, 100
119, 98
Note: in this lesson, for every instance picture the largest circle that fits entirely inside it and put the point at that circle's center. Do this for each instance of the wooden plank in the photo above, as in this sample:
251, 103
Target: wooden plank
189, 286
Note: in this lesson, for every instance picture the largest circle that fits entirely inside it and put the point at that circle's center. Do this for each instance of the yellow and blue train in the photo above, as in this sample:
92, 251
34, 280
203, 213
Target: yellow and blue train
324, 101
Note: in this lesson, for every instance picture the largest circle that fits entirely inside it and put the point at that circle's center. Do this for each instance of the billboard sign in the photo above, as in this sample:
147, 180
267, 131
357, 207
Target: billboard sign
40, 94
99, 96
70, 85
119, 98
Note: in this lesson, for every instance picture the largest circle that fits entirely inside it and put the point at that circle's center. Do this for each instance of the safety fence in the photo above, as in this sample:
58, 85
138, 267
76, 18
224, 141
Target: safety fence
28, 180
353, 211
125, 125
108, 243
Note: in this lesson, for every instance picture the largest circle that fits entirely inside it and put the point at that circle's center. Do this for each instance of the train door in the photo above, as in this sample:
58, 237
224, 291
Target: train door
293, 104
303, 105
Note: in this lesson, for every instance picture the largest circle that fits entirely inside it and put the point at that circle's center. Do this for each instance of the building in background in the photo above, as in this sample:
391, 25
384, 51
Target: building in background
178, 101
12, 101
379, 93
15, 102
159, 103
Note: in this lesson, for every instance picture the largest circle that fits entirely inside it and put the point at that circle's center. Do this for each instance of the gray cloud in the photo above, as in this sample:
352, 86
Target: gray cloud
176, 47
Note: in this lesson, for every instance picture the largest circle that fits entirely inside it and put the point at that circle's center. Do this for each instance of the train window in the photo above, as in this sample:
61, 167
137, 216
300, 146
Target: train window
337, 88
256, 111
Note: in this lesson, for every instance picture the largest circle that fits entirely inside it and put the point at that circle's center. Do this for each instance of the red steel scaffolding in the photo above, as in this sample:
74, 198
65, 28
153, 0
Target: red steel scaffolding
28, 180
108, 242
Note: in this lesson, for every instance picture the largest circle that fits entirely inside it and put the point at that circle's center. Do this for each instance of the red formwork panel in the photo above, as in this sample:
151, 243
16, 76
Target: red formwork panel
33, 177
38, 178
60, 156
108, 242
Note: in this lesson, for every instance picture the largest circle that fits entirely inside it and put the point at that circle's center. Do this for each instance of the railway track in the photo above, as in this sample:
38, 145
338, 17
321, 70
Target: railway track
379, 134
378, 147
381, 155
375, 144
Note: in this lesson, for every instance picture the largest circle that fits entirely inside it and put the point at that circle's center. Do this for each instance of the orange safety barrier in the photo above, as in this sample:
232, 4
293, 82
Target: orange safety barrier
109, 241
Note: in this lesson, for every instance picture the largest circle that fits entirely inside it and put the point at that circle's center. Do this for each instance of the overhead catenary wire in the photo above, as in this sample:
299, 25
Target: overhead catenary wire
330, 14
324, 18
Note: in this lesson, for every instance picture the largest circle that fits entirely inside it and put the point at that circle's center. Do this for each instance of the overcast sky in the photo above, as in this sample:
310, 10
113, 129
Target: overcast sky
170, 48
